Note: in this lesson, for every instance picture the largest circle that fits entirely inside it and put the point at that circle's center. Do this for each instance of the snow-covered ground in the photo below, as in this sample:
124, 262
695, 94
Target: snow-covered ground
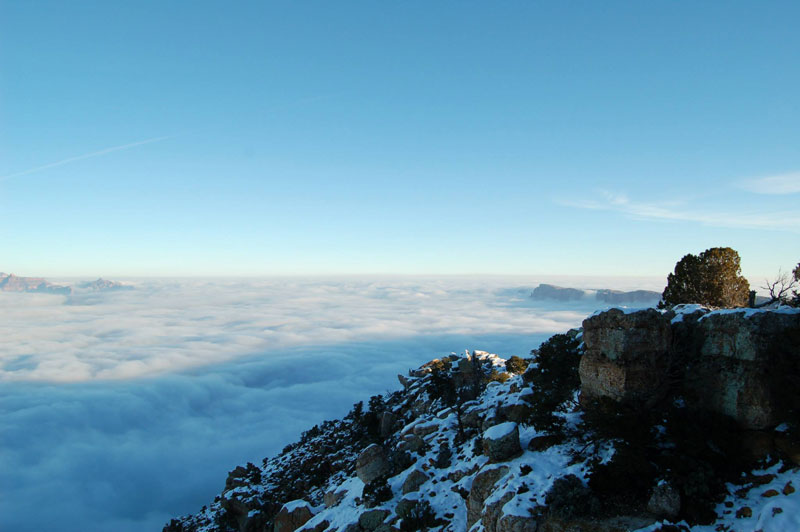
121, 410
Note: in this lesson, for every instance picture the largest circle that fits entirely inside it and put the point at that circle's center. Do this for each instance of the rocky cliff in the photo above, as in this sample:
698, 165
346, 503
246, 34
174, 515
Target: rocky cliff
687, 417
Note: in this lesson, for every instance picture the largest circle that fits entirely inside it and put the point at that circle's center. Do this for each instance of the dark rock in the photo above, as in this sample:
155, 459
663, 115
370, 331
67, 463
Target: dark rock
501, 442
413, 481
372, 463
292, 516
372, 519
482, 487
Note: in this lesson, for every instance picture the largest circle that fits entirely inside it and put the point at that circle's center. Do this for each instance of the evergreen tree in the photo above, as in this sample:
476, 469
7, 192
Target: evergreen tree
713, 278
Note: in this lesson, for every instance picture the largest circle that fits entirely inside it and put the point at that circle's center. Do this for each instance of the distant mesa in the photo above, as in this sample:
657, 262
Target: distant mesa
612, 297
12, 283
101, 285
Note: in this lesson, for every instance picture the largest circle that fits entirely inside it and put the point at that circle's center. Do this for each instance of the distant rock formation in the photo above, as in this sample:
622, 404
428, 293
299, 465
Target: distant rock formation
12, 283
612, 297
101, 285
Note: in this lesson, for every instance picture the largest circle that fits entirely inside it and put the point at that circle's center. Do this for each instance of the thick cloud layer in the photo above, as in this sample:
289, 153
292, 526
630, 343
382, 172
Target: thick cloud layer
121, 410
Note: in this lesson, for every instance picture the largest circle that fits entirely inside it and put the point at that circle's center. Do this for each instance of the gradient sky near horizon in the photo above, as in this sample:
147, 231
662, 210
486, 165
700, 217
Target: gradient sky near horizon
257, 138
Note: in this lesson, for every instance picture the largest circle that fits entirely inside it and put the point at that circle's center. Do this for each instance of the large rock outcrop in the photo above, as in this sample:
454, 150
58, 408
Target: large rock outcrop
744, 364
627, 356
748, 366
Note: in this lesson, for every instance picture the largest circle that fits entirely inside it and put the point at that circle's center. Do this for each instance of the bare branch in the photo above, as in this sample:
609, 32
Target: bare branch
780, 288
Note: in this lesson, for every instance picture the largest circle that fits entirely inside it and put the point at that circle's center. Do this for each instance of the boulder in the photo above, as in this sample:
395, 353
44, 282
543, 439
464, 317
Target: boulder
665, 501
413, 481
412, 443
292, 516
333, 498
372, 463
423, 429
388, 420
372, 519
482, 487
627, 356
501, 442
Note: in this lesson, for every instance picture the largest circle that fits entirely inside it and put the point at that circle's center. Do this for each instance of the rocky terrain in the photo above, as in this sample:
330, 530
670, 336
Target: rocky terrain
641, 420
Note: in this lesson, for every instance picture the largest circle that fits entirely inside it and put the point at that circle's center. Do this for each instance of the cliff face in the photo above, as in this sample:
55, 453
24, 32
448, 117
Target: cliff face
742, 364
669, 404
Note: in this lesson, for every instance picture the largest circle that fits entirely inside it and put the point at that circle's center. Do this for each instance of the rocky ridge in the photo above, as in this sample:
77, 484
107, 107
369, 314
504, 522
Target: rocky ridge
686, 417
13, 283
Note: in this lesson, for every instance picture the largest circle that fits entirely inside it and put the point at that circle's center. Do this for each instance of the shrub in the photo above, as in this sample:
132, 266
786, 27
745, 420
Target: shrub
497, 376
420, 516
554, 377
569, 497
376, 492
712, 278
516, 365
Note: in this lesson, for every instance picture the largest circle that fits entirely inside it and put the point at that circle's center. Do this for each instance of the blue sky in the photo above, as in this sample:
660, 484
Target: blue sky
417, 137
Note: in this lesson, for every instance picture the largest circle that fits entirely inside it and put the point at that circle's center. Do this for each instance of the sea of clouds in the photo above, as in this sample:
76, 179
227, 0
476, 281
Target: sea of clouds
120, 410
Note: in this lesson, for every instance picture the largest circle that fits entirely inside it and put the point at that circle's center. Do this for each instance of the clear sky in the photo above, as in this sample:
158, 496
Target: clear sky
257, 138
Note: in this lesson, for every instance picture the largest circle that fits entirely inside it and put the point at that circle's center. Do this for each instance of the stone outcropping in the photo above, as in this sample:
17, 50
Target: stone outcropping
501, 442
372, 463
743, 364
627, 356
292, 516
747, 366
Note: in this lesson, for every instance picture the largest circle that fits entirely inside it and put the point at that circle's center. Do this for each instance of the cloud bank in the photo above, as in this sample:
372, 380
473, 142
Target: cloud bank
121, 410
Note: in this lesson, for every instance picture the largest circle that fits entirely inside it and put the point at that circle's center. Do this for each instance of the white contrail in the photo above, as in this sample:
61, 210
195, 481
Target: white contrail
84, 156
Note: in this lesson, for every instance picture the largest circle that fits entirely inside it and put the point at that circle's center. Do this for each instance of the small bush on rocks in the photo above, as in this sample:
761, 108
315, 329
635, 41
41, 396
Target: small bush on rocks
418, 517
554, 378
376, 492
517, 365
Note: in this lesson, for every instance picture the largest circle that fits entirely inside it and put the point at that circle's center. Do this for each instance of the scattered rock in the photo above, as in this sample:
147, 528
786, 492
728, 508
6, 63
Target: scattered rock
388, 420
372, 463
333, 498
744, 512
493, 511
501, 442
770, 493
788, 489
423, 429
292, 516
482, 487
413, 481
372, 519
412, 443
